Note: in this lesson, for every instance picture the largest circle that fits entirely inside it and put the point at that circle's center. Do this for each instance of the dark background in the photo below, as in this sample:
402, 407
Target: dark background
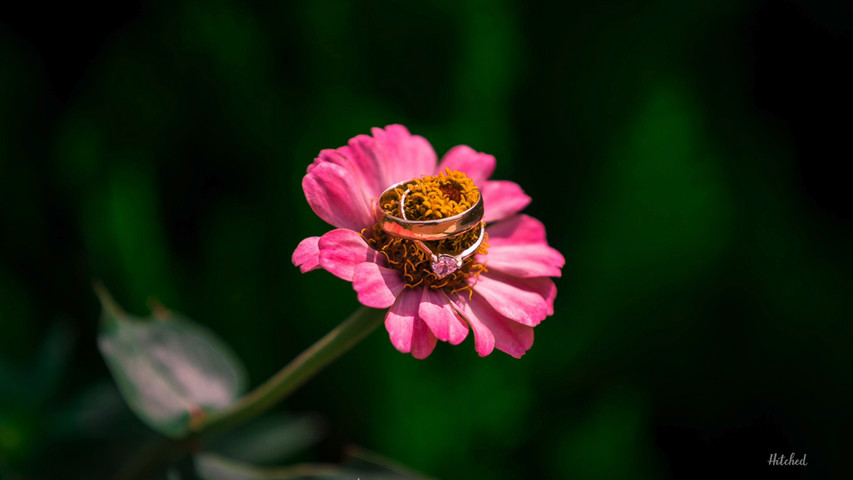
686, 157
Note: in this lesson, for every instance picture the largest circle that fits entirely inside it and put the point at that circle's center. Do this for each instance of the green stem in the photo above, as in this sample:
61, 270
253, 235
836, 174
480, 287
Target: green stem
293, 375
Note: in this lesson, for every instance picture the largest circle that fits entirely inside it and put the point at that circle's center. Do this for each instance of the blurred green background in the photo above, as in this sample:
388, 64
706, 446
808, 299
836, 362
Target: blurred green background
686, 157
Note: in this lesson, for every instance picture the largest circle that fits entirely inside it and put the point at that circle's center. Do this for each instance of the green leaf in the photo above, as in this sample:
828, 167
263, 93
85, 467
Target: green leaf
214, 467
271, 438
170, 370
361, 459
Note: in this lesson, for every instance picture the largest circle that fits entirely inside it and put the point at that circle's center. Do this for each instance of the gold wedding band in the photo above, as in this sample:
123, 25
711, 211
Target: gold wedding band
427, 229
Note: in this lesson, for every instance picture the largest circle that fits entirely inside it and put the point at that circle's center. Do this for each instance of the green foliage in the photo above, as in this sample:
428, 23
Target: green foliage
361, 465
271, 438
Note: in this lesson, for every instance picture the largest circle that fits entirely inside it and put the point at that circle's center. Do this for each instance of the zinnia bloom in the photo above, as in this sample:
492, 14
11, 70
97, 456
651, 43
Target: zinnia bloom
501, 292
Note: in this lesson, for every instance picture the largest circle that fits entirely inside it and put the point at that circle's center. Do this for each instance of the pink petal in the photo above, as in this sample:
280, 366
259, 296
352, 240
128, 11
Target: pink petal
400, 320
543, 286
534, 260
377, 286
408, 333
342, 250
510, 337
307, 255
502, 198
363, 173
336, 198
517, 230
406, 156
484, 339
510, 299
439, 315
478, 166
371, 160
423, 341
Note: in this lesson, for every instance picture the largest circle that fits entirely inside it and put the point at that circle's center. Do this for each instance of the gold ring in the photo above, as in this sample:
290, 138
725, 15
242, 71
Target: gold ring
428, 229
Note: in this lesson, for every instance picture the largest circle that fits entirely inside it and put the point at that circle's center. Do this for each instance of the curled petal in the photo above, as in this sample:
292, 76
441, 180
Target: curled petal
436, 311
336, 198
369, 157
363, 174
409, 333
478, 166
510, 337
484, 339
506, 295
307, 255
502, 199
377, 286
423, 341
400, 320
517, 230
534, 260
543, 286
342, 250
406, 156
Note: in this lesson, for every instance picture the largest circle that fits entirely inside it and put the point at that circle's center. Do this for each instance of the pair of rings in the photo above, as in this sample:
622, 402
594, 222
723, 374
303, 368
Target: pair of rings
418, 231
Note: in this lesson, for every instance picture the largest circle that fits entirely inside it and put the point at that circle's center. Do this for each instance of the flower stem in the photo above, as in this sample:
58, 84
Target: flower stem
293, 375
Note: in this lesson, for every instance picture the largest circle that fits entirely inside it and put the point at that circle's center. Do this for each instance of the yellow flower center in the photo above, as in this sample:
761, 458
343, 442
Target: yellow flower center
431, 198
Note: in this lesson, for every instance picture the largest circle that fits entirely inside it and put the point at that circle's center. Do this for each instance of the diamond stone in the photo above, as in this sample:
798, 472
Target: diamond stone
444, 265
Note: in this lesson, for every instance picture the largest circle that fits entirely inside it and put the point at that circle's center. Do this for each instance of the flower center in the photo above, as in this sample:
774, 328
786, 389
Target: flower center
431, 198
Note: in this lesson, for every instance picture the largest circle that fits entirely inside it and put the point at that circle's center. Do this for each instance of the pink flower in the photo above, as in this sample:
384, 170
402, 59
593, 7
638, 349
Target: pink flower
501, 296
